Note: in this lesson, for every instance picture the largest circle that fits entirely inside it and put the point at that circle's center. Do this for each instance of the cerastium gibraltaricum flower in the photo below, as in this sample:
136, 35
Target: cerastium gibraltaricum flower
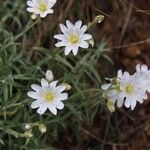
40, 7
73, 37
48, 95
129, 89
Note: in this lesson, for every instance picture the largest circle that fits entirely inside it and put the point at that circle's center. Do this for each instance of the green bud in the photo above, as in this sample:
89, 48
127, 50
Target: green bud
110, 105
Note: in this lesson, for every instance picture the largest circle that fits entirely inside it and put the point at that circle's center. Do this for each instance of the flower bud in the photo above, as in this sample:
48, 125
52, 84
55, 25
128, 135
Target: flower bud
27, 126
49, 76
42, 128
33, 16
67, 86
91, 42
110, 105
99, 18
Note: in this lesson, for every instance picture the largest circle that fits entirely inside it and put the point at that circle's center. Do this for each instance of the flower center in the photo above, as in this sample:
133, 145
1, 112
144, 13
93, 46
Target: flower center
129, 88
48, 96
74, 39
42, 7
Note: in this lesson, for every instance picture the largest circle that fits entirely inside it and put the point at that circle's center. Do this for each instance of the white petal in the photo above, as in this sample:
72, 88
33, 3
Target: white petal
42, 15
51, 3
83, 29
69, 24
41, 109
44, 83
138, 68
78, 24
29, 9
86, 36
30, 3
68, 49
75, 50
84, 44
35, 2
120, 102
52, 109
144, 68
63, 28
126, 75
60, 37
36, 87
60, 44
50, 11
119, 74
60, 105
105, 86
60, 88
133, 104
33, 95
127, 102
62, 96
36, 104
53, 84
145, 97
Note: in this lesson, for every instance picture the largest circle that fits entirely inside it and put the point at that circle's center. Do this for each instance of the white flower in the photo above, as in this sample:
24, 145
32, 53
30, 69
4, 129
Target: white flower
127, 90
73, 37
41, 7
48, 95
143, 72
49, 76
132, 90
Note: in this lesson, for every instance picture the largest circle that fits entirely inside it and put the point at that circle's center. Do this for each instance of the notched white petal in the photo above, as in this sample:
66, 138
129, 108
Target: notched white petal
62, 96
53, 84
60, 105
33, 95
44, 83
36, 87
36, 104
41, 110
53, 110
60, 88
78, 24
69, 24
86, 36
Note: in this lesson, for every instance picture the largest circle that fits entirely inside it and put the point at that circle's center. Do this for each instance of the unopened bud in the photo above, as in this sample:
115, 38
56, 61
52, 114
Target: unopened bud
99, 18
33, 16
42, 128
91, 42
67, 86
49, 76
110, 105
27, 126
115, 81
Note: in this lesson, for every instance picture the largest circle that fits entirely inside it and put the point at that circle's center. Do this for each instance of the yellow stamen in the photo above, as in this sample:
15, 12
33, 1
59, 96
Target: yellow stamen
48, 96
74, 39
129, 88
42, 7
